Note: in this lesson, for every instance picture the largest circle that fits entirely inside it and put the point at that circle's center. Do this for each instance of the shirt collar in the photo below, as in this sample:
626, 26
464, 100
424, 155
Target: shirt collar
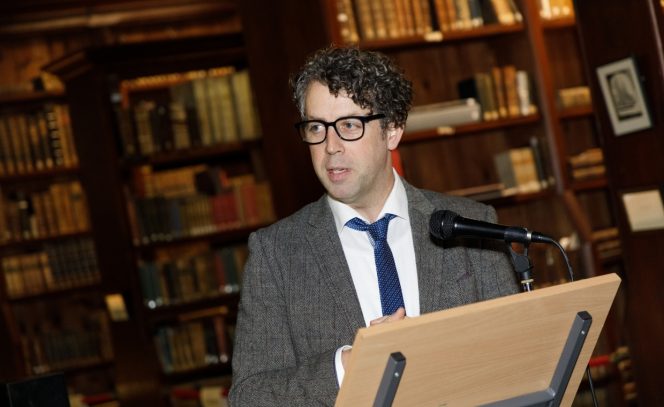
396, 204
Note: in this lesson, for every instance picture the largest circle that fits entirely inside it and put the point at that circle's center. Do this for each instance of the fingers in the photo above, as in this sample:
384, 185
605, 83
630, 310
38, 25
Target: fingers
398, 315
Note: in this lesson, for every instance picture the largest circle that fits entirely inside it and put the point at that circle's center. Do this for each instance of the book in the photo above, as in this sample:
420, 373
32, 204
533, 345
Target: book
347, 22
365, 19
517, 171
228, 114
444, 114
503, 12
476, 17
464, 20
56, 135
499, 90
511, 93
486, 96
69, 155
247, 117
418, 17
7, 155
440, 9
427, 25
526, 106
408, 16
144, 135
546, 179
573, 97
202, 102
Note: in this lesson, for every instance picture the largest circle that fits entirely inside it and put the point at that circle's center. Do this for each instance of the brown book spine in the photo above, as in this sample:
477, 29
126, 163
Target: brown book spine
347, 22
379, 18
7, 154
365, 19
441, 15
511, 95
499, 90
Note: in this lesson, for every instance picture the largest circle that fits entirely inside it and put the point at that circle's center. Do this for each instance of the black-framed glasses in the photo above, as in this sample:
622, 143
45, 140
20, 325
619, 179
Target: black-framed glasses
349, 128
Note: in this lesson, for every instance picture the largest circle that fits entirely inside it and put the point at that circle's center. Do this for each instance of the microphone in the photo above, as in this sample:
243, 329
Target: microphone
446, 224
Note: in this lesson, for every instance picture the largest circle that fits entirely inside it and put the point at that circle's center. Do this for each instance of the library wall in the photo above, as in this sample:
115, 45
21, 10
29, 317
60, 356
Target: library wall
170, 196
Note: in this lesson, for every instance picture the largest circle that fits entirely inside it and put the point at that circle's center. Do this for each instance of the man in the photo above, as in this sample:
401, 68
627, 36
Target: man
314, 278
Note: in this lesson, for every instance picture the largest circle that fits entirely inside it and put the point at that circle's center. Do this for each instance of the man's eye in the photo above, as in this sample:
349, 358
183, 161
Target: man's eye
350, 124
315, 127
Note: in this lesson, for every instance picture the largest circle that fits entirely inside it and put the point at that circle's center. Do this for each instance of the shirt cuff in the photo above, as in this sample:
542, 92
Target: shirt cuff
338, 366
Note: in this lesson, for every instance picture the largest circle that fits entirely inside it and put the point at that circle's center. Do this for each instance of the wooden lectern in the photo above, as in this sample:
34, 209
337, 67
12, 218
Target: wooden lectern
527, 349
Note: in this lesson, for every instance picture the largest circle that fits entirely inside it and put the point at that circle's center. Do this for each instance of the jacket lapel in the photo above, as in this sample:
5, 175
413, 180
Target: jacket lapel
428, 256
325, 245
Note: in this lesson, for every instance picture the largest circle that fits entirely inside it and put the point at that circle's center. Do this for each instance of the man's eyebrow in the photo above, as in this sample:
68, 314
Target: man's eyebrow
358, 114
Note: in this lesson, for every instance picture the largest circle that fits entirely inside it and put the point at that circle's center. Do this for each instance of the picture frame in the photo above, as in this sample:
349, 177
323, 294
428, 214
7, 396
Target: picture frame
624, 97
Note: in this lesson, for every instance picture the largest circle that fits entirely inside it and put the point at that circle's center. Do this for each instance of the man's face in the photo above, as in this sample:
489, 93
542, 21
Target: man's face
357, 173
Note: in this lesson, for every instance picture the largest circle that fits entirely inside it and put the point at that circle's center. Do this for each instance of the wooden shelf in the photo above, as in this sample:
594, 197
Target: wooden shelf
589, 184
41, 240
78, 367
60, 292
208, 371
218, 237
469, 128
438, 37
575, 112
519, 198
559, 23
37, 175
197, 154
30, 97
176, 311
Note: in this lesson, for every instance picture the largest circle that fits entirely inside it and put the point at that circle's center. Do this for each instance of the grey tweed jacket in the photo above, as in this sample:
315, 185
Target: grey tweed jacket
299, 305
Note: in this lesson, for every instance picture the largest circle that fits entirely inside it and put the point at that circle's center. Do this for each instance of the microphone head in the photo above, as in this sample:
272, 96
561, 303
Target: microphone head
441, 224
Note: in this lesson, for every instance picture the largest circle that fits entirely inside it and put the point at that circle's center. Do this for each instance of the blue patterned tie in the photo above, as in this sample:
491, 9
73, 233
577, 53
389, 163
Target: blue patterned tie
388, 279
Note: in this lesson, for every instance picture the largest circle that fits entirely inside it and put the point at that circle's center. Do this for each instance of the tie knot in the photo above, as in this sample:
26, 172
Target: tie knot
377, 230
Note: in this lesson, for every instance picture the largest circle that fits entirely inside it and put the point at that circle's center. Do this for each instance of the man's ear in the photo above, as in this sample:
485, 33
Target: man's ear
393, 135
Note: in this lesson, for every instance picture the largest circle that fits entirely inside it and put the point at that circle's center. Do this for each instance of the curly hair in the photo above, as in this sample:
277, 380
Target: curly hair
369, 78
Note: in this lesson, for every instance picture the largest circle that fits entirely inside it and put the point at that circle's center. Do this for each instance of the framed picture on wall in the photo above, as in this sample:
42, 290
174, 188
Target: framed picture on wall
623, 95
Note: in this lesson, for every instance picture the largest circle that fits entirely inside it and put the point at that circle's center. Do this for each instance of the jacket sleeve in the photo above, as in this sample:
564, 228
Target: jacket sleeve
267, 370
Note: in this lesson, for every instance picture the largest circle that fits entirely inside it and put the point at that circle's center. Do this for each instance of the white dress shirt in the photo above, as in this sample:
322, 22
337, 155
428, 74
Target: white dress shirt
358, 250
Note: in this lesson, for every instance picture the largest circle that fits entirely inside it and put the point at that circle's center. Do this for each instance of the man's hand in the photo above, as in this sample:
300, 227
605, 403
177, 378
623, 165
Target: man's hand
398, 315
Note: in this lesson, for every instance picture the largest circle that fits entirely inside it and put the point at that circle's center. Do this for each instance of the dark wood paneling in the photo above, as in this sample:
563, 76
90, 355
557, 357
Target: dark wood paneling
611, 30
278, 40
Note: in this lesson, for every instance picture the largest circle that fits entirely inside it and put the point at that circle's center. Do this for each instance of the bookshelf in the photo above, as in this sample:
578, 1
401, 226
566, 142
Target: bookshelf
177, 184
457, 160
608, 33
50, 285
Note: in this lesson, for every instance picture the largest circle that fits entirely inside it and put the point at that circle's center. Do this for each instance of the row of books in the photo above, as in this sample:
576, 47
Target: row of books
444, 115
502, 92
575, 96
551, 9
61, 265
62, 350
183, 279
523, 169
375, 19
198, 112
44, 81
193, 345
587, 164
36, 141
607, 243
197, 395
59, 209
63, 334
196, 200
